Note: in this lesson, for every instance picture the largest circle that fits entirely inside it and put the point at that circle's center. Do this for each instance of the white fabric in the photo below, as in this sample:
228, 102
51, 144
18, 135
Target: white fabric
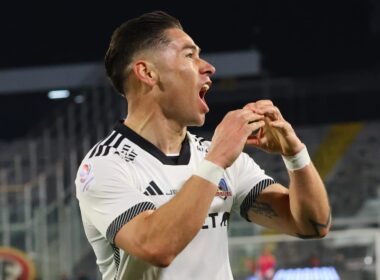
209, 171
298, 161
114, 180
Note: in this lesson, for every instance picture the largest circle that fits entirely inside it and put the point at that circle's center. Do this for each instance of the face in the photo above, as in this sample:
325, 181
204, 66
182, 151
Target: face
184, 79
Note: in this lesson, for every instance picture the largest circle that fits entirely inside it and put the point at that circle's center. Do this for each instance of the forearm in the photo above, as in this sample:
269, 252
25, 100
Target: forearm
175, 224
303, 209
159, 236
309, 204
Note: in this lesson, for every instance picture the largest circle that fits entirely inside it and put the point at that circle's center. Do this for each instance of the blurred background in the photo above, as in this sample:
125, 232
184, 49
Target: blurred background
318, 61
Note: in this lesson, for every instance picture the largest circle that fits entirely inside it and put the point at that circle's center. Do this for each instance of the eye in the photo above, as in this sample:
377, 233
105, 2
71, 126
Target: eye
191, 54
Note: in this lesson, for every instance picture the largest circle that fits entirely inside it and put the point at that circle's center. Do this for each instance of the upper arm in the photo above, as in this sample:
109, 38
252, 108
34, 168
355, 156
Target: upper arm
249, 181
267, 203
115, 206
271, 209
132, 236
259, 198
108, 195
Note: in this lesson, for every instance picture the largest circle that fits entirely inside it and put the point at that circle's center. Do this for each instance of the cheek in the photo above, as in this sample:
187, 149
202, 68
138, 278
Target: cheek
187, 72
182, 86
179, 86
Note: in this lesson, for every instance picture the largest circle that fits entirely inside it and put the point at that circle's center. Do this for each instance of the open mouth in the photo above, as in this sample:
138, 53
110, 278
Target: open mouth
203, 91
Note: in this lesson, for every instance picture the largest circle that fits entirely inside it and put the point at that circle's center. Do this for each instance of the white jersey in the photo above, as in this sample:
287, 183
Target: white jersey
124, 175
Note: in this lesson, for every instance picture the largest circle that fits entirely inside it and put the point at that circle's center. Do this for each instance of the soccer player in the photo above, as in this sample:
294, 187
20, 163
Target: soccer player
155, 199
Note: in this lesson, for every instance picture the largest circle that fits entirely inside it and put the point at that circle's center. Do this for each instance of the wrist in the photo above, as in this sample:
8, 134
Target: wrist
297, 161
209, 171
217, 160
293, 149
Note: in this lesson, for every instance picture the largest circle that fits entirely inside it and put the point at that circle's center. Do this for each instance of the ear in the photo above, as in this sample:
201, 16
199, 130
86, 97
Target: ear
146, 72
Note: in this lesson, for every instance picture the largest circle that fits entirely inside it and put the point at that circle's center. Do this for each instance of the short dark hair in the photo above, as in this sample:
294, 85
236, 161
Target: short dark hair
138, 34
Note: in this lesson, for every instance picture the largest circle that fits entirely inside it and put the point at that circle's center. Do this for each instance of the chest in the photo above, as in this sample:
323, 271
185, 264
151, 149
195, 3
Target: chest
162, 182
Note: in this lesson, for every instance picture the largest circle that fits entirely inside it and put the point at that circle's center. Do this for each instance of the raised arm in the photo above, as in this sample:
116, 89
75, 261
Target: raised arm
302, 209
157, 236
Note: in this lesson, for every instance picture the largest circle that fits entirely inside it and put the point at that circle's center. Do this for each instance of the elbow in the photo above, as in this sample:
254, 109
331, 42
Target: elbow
316, 233
323, 229
314, 229
320, 235
163, 261
160, 257
155, 255
324, 232
158, 252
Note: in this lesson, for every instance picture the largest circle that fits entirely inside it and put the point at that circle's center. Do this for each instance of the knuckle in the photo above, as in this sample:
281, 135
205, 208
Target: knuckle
240, 113
265, 101
249, 105
230, 114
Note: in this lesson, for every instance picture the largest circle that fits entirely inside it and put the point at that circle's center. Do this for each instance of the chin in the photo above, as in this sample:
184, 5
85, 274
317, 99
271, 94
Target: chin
199, 122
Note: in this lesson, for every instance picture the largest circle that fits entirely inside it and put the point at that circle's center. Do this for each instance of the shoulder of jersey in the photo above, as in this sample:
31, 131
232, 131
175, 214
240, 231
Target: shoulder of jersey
114, 144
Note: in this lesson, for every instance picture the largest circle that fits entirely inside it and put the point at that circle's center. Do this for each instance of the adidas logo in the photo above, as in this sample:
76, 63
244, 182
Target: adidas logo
153, 189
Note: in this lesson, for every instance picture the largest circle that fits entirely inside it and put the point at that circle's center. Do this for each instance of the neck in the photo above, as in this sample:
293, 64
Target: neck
147, 120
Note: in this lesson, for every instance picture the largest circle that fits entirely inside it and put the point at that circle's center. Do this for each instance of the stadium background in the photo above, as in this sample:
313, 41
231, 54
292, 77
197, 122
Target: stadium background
318, 61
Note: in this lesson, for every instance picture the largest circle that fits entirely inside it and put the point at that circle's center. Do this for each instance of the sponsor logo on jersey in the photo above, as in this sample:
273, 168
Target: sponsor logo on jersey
153, 189
172, 192
223, 190
213, 220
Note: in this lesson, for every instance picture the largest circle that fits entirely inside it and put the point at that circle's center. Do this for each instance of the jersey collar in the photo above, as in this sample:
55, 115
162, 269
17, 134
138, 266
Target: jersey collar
184, 155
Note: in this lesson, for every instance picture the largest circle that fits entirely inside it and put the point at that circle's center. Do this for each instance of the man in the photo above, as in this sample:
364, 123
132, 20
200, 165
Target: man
266, 264
155, 199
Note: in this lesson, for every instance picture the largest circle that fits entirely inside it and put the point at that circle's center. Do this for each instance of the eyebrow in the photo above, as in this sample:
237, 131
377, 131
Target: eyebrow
193, 47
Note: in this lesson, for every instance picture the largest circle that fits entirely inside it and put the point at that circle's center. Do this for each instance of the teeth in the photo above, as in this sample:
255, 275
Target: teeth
205, 87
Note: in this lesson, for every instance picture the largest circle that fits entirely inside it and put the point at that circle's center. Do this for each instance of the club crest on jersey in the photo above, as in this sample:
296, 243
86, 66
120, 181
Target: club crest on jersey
127, 153
200, 146
223, 190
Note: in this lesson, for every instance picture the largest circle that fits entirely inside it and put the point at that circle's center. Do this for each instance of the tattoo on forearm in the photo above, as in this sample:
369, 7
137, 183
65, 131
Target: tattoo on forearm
263, 208
316, 226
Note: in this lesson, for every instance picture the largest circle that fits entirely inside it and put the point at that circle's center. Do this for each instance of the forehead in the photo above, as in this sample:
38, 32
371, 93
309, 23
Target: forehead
180, 39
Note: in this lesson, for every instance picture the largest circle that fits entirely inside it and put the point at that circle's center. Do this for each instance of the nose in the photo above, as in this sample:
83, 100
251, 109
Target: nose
207, 68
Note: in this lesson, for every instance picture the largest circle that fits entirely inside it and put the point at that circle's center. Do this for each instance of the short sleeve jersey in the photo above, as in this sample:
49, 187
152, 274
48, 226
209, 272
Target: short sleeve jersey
124, 175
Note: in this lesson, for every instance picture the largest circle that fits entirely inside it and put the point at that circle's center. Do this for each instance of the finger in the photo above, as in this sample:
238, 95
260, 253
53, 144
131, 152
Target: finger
254, 105
257, 141
272, 112
255, 127
246, 119
255, 118
254, 141
250, 106
264, 102
242, 115
282, 126
250, 116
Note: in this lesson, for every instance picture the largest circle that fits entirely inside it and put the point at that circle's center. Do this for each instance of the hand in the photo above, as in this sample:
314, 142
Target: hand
277, 135
231, 135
